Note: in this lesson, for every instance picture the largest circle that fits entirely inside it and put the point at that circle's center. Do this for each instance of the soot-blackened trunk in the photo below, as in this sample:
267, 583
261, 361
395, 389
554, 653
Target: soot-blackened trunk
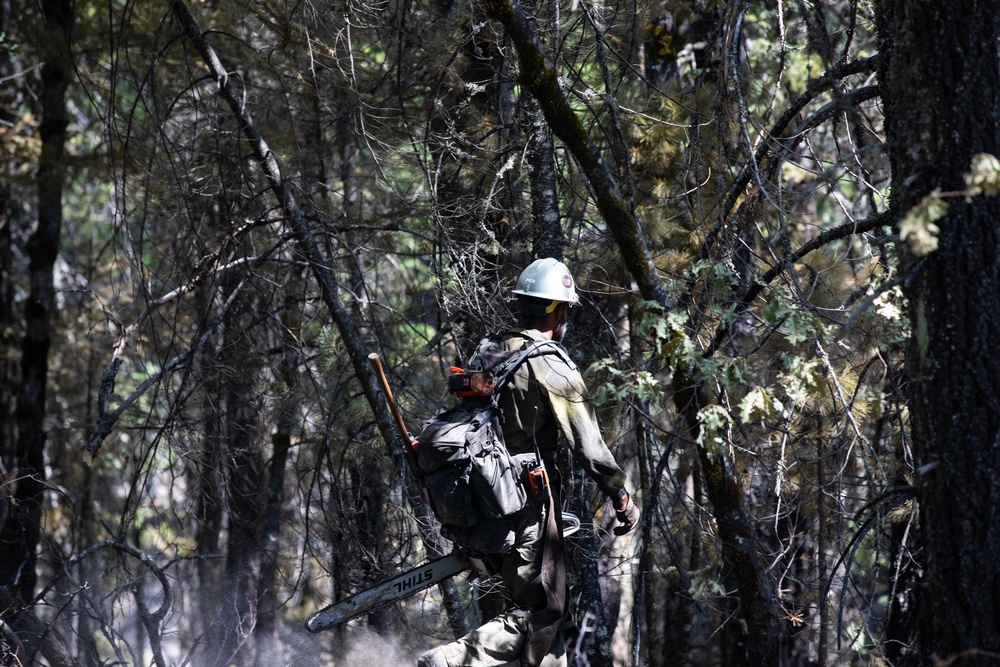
942, 97
21, 530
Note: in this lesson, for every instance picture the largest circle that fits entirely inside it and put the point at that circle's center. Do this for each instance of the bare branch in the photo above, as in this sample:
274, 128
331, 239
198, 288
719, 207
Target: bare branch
107, 420
759, 285
318, 263
540, 78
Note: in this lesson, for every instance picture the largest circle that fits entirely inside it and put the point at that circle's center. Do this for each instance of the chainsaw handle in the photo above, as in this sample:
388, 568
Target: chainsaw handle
396, 414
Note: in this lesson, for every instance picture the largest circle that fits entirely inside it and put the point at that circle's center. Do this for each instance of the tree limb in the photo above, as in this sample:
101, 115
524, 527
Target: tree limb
106, 420
331, 292
743, 301
330, 289
757, 598
540, 78
35, 636
814, 87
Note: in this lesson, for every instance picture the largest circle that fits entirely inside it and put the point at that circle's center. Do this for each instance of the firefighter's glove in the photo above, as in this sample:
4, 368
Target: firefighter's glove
627, 514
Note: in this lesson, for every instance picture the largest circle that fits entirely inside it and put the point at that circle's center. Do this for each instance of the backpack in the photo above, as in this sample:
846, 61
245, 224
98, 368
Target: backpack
473, 483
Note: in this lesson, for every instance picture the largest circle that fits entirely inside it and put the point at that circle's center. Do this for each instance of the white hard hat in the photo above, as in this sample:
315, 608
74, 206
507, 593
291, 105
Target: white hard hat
548, 280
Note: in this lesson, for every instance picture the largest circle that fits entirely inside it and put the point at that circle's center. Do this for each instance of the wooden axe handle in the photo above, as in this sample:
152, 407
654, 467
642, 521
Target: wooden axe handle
396, 414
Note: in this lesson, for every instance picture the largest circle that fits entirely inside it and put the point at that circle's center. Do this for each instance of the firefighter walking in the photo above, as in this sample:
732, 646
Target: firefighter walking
545, 399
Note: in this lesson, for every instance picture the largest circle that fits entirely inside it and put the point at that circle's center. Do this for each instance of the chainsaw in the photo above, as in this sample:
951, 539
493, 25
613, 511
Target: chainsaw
406, 584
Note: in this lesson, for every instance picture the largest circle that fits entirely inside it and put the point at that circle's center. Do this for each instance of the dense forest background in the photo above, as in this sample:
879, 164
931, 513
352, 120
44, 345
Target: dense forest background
781, 217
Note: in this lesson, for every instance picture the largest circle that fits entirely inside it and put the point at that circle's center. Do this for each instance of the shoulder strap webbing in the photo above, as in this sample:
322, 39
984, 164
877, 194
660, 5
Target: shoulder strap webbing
502, 370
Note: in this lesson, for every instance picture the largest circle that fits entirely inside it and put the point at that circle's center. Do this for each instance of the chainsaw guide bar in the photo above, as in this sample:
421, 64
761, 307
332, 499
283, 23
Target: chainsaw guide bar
388, 592
406, 584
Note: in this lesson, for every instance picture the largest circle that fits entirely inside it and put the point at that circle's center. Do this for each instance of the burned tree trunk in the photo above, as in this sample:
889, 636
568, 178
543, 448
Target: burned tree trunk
942, 93
21, 531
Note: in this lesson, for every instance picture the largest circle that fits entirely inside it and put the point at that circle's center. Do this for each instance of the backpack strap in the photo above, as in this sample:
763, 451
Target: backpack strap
503, 370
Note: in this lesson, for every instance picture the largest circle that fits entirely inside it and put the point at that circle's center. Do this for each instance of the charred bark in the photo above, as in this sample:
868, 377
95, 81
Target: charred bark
942, 95
8, 339
266, 635
244, 476
204, 478
21, 532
